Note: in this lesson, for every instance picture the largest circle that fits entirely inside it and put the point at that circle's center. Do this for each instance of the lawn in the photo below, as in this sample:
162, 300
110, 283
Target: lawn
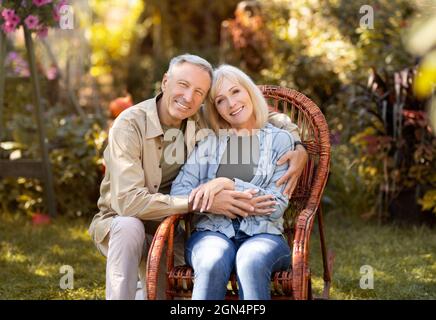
31, 258
403, 260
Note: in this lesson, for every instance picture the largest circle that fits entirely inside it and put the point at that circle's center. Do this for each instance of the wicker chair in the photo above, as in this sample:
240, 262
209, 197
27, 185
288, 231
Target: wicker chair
304, 206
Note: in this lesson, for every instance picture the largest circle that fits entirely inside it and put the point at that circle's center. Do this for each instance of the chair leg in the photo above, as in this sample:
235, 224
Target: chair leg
327, 258
169, 296
309, 287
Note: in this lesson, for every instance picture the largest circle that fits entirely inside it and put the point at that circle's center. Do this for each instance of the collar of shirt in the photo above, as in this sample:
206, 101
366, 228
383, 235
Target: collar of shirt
154, 127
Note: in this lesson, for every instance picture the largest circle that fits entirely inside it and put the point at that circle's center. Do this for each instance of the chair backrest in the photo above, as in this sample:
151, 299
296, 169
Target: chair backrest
315, 136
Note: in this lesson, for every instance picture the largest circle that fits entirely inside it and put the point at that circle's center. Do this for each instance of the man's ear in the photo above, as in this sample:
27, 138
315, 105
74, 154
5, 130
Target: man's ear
164, 82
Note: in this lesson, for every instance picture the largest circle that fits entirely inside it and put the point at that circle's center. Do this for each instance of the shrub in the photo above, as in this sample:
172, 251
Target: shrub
75, 150
397, 140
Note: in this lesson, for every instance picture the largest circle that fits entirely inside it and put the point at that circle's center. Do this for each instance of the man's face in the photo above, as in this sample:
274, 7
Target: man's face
184, 90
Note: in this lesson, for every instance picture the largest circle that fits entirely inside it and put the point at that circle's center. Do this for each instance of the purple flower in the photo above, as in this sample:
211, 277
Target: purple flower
17, 64
335, 138
13, 55
40, 3
32, 22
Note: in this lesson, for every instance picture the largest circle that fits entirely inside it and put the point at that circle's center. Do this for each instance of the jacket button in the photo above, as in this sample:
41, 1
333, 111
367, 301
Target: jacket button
155, 185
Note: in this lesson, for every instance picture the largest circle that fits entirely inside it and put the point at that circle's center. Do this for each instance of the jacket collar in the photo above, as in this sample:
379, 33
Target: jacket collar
154, 128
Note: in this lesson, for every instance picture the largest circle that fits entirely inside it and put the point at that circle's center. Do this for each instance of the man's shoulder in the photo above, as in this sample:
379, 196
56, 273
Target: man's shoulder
140, 109
137, 115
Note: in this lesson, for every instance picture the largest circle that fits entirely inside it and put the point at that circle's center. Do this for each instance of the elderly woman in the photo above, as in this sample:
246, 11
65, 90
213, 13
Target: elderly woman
241, 154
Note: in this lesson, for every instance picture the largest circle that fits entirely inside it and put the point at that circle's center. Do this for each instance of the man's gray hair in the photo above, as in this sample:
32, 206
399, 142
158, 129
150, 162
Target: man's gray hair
192, 59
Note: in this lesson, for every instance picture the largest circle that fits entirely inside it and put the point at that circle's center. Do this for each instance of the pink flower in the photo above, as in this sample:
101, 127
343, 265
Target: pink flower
14, 19
40, 3
9, 27
52, 73
8, 14
60, 4
42, 32
11, 20
57, 9
31, 22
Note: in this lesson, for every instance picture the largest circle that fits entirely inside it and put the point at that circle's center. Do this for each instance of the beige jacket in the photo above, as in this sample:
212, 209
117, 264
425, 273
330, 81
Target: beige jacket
133, 174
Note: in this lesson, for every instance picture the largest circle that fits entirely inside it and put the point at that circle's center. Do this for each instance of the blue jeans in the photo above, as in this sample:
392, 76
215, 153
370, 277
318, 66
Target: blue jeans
213, 257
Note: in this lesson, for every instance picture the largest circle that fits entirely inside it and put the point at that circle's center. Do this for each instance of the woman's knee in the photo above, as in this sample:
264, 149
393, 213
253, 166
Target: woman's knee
252, 265
262, 255
209, 253
212, 264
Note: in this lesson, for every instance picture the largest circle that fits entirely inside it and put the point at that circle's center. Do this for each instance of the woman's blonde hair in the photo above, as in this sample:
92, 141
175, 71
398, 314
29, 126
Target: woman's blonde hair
235, 75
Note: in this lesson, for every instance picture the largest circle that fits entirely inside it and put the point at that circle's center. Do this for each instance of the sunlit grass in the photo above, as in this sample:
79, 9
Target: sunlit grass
31, 258
403, 260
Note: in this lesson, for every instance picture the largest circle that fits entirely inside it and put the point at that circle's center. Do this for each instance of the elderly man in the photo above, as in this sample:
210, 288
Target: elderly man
134, 194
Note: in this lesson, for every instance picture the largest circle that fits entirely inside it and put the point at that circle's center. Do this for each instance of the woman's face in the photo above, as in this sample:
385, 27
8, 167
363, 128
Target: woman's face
234, 105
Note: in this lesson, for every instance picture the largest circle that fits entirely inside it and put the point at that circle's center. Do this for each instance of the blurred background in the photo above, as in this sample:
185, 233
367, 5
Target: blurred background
372, 71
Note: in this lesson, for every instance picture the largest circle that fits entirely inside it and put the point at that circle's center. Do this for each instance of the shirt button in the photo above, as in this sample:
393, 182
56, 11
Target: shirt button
155, 185
160, 148
160, 166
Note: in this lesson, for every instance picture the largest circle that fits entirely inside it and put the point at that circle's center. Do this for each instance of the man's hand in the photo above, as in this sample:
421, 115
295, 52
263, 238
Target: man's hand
207, 191
232, 203
297, 161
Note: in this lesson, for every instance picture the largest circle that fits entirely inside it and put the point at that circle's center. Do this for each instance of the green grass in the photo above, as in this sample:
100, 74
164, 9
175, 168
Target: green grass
31, 258
403, 260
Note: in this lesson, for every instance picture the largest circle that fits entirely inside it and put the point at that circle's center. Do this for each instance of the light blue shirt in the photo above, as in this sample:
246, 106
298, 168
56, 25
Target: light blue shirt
202, 165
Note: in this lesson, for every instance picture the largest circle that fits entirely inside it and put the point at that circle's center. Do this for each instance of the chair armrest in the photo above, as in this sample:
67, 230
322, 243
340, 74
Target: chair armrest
155, 253
300, 253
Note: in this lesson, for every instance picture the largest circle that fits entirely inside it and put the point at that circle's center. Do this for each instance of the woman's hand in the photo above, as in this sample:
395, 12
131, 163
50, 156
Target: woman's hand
263, 205
207, 191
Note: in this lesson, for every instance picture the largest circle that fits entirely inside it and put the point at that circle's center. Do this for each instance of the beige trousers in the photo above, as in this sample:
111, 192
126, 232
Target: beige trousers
126, 248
